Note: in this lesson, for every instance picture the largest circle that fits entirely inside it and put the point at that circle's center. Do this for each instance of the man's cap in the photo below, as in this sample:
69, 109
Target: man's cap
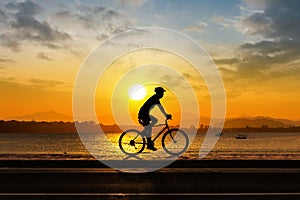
159, 89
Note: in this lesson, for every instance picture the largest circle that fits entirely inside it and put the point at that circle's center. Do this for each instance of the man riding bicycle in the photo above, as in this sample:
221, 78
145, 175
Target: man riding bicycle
147, 120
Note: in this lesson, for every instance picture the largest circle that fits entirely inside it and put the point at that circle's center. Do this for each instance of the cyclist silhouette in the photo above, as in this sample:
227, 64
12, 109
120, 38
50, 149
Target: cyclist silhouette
147, 120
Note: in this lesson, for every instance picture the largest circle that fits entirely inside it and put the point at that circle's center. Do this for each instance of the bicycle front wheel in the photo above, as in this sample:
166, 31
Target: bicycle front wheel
175, 142
131, 142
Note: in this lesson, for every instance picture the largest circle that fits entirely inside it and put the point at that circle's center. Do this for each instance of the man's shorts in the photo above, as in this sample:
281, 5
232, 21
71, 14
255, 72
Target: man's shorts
145, 121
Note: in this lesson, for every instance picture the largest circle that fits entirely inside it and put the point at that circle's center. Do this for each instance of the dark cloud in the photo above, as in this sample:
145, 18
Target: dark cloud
279, 30
51, 45
227, 61
43, 56
31, 29
26, 8
279, 25
23, 25
102, 36
279, 19
264, 65
11, 41
110, 14
271, 52
89, 17
63, 14
102, 20
2, 16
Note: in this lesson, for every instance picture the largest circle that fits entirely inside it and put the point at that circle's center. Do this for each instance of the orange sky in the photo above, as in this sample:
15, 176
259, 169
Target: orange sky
258, 61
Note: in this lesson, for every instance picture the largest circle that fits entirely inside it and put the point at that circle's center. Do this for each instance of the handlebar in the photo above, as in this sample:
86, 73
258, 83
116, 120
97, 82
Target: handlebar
169, 116
166, 120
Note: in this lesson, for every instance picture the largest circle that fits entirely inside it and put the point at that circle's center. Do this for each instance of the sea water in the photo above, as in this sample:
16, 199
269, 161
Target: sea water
257, 146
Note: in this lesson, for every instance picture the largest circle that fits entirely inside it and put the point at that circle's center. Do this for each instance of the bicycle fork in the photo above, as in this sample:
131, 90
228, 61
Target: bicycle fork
172, 138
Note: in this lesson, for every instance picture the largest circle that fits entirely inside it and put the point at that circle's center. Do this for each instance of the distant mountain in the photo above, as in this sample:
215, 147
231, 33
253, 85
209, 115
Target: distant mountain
251, 121
244, 116
297, 123
42, 116
258, 121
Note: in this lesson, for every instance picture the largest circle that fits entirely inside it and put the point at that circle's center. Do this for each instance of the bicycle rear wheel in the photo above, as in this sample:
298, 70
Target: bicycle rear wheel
175, 142
131, 142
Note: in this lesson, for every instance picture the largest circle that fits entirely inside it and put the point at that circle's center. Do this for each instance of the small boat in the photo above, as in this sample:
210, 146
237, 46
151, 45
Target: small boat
218, 134
241, 136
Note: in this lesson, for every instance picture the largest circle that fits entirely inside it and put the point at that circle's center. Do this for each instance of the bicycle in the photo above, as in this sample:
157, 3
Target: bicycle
174, 141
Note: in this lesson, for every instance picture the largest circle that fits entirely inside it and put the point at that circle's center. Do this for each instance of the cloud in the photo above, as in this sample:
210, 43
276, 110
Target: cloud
172, 81
199, 27
34, 83
134, 3
10, 41
181, 82
24, 22
45, 83
279, 19
100, 20
227, 61
31, 29
220, 20
270, 62
43, 56
85, 16
2, 16
23, 26
254, 4
277, 25
5, 61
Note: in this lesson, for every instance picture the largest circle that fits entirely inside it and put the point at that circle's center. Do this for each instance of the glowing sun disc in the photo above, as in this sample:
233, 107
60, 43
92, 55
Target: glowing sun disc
137, 92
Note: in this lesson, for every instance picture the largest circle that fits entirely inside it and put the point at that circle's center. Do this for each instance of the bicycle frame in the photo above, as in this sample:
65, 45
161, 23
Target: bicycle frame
162, 130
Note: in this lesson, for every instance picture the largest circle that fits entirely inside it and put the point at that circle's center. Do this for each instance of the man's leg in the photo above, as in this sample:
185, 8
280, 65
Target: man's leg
148, 128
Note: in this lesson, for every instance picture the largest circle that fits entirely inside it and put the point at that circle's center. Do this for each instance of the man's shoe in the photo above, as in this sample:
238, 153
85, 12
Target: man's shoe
150, 146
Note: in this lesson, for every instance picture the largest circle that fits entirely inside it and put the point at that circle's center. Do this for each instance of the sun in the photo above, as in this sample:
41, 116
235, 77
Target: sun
137, 92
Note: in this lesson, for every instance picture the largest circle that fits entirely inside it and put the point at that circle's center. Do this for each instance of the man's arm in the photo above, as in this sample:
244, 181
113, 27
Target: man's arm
162, 110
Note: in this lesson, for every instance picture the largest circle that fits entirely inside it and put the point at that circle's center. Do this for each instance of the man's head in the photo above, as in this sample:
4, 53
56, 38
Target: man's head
159, 91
